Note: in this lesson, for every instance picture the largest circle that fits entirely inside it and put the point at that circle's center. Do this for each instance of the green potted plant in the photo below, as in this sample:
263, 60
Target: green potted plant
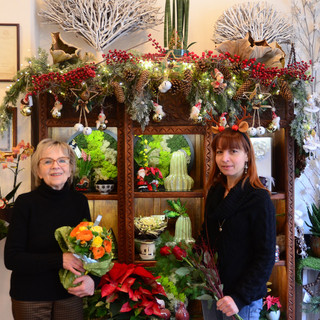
314, 217
176, 26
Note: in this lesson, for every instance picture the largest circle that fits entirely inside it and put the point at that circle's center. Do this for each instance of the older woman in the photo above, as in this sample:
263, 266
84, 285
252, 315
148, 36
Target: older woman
31, 250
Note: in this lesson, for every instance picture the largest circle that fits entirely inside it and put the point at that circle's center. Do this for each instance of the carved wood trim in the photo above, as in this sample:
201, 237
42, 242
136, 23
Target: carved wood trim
125, 189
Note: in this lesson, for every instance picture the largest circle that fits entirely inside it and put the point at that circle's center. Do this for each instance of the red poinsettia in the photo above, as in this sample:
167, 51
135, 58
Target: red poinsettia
272, 303
132, 290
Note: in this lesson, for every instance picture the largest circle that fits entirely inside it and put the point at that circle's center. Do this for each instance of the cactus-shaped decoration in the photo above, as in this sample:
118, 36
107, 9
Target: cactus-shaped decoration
178, 179
183, 228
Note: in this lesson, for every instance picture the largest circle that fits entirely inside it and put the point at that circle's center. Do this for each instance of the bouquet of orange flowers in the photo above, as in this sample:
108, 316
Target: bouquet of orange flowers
89, 242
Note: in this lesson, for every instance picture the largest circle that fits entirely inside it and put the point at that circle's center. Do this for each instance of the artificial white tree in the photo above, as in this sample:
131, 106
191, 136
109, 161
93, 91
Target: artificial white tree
101, 22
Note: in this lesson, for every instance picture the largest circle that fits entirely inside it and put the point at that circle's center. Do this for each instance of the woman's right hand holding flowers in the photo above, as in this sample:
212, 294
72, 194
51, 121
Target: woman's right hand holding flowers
73, 264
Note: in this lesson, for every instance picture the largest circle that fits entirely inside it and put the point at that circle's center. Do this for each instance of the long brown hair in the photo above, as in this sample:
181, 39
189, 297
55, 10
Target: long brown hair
231, 139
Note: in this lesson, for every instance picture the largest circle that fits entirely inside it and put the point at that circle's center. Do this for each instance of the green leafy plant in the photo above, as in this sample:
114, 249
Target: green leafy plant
84, 164
314, 217
102, 148
178, 209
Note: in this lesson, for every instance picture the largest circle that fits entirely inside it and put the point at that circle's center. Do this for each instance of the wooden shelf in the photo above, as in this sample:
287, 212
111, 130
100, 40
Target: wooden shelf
99, 196
170, 194
278, 196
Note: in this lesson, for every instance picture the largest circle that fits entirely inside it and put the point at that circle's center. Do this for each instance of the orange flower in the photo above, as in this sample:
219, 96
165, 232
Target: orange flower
107, 245
85, 235
98, 252
75, 230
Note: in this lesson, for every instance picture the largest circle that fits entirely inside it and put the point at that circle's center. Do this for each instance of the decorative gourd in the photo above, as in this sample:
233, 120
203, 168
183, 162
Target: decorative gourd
178, 179
183, 230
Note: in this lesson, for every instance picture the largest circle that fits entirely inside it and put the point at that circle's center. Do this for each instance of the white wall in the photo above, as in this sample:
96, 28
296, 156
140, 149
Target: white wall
34, 34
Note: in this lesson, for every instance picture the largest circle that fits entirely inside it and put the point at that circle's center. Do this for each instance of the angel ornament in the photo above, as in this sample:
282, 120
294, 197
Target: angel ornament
159, 114
101, 123
56, 110
195, 112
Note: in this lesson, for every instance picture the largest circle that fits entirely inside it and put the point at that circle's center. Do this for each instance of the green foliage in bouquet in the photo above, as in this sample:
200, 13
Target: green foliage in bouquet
3, 229
178, 209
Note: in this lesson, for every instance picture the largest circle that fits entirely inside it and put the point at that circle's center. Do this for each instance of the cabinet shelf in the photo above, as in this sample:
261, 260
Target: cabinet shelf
171, 194
99, 196
278, 196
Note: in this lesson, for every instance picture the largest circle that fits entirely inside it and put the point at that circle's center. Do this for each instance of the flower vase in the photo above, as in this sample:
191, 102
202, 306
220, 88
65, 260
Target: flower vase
273, 315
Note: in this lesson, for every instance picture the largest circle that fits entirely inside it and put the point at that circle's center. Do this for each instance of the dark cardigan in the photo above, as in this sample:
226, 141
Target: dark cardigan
31, 250
246, 244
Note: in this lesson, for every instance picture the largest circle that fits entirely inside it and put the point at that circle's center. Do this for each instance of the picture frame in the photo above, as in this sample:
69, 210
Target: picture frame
9, 51
9, 138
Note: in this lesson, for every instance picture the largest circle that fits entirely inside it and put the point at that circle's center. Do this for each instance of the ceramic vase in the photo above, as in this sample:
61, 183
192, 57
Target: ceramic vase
178, 179
182, 313
273, 315
147, 250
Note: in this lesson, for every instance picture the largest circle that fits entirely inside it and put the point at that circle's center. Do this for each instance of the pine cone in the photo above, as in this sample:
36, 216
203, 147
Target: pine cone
202, 65
177, 86
236, 68
129, 75
143, 79
285, 91
245, 87
187, 82
225, 71
118, 91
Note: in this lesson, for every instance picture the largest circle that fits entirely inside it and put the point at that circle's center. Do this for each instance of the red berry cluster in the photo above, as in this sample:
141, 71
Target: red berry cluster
73, 77
119, 56
156, 44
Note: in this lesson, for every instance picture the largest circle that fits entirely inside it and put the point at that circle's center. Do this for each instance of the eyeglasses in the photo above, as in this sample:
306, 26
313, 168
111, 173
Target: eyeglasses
48, 162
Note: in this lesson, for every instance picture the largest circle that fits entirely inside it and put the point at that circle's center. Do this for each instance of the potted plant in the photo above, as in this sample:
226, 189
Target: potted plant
127, 291
176, 26
314, 217
84, 165
271, 308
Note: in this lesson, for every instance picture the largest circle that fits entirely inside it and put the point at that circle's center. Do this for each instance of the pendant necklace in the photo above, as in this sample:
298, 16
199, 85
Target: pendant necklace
220, 225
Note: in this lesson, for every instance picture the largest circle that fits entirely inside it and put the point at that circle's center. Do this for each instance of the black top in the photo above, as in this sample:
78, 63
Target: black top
246, 243
31, 250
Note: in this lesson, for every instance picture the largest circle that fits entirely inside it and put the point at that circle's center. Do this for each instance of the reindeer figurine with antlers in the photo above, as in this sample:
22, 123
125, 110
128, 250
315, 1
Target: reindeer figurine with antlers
240, 124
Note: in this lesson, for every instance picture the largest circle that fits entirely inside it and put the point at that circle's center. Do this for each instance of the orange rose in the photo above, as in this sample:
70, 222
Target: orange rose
85, 235
107, 244
75, 230
98, 252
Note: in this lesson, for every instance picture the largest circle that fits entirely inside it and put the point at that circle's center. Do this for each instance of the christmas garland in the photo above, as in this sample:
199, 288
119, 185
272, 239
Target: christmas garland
212, 83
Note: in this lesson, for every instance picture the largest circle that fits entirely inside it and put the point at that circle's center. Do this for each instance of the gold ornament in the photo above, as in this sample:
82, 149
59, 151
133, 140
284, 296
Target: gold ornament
26, 111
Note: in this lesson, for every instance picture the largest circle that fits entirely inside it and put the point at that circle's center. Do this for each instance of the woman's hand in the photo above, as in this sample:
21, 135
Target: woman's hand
86, 287
71, 263
227, 306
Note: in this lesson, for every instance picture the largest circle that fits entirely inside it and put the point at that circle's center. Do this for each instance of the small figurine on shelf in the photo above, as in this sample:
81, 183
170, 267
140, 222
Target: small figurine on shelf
142, 185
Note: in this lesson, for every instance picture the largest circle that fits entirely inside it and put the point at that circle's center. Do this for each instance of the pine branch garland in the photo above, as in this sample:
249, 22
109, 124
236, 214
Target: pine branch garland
243, 88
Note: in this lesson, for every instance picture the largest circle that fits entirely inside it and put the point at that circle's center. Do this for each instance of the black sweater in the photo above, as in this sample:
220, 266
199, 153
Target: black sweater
31, 250
246, 244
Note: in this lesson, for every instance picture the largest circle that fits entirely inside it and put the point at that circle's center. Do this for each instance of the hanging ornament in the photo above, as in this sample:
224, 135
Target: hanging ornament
274, 125
159, 114
101, 123
78, 127
87, 131
56, 110
26, 104
261, 131
195, 112
165, 86
26, 111
217, 83
252, 131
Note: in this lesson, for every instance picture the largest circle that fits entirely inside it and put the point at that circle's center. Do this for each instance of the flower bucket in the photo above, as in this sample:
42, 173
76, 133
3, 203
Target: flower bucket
147, 250
273, 315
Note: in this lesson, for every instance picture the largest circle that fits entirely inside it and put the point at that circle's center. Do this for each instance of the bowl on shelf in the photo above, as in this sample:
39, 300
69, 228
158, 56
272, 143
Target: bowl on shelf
104, 188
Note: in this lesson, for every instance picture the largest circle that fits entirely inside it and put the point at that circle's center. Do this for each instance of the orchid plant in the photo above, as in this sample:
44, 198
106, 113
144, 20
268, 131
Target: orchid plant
12, 162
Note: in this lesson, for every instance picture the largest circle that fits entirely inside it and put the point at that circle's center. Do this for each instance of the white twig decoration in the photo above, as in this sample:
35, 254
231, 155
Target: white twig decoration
259, 18
101, 22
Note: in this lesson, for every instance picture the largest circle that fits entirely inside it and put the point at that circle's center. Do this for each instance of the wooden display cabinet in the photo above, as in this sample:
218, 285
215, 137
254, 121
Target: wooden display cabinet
120, 208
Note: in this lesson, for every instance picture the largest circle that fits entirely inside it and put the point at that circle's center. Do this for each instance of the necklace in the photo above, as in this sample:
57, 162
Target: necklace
220, 225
